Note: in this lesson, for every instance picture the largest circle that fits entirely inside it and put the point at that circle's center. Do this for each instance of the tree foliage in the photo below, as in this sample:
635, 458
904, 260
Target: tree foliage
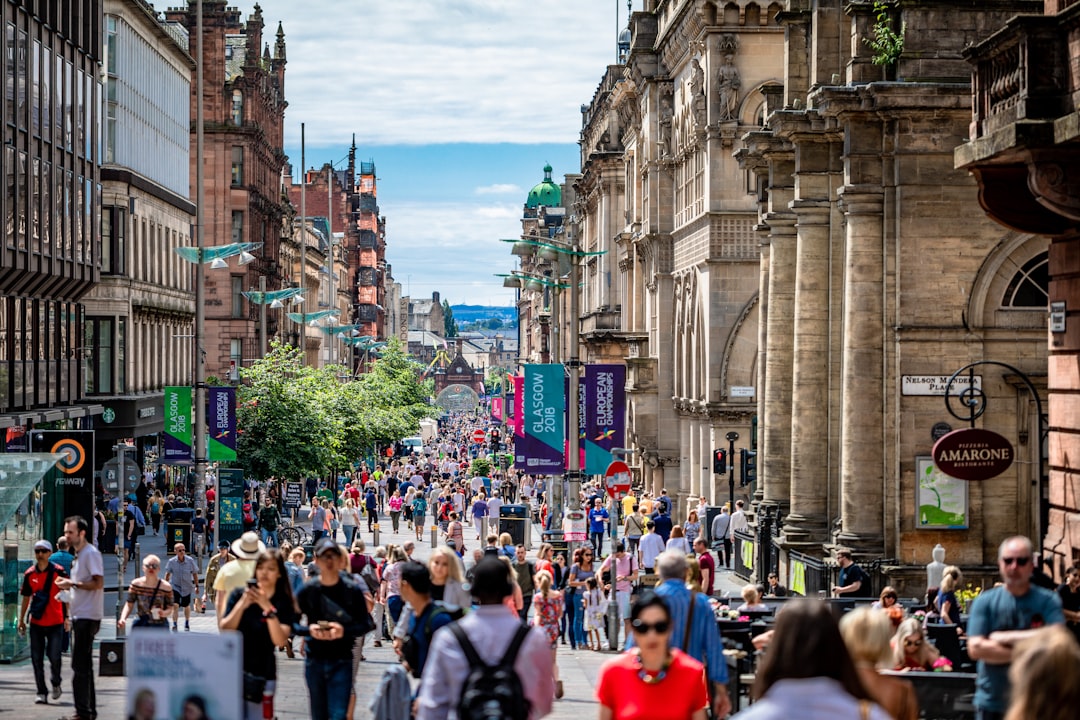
887, 44
450, 328
295, 420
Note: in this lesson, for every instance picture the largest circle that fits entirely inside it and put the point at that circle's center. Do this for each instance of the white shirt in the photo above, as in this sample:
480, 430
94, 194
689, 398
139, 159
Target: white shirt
494, 504
815, 698
738, 521
87, 604
650, 546
490, 629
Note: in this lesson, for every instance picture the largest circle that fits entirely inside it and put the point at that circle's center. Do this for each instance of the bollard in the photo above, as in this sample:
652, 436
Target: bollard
120, 553
434, 536
375, 530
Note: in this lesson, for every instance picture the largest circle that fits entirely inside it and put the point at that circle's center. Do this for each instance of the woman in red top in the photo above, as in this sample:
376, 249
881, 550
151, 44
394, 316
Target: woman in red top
911, 649
652, 681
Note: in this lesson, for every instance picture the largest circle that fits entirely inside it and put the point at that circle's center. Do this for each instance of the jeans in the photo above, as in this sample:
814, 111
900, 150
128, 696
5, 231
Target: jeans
372, 518
82, 665
350, 534
270, 537
578, 633
597, 539
394, 604
46, 642
316, 535
395, 518
329, 687
569, 619
525, 605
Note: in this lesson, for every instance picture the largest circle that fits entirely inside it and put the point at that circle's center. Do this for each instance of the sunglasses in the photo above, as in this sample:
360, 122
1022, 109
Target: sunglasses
40, 550
1018, 561
661, 627
912, 643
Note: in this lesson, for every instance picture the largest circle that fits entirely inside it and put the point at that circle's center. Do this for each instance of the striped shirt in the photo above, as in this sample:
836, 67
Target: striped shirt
705, 644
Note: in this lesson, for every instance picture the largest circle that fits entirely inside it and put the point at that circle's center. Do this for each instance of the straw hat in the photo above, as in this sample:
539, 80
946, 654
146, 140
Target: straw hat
248, 546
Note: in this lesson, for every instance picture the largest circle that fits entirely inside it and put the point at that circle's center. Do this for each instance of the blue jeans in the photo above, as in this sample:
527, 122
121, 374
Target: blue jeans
395, 605
45, 643
270, 537
569, 618
597, 539
329, 687
579, 621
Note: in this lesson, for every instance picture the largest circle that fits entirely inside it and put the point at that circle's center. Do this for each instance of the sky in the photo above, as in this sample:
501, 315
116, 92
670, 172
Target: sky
460, 104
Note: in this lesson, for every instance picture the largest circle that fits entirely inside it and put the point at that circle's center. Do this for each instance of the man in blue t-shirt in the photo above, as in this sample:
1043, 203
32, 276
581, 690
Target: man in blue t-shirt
1003, 616
598, 517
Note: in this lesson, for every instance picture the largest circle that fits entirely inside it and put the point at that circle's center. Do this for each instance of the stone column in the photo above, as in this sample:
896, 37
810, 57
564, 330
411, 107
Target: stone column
704, 466
762, 358
693, 487
810, 374
862, 421
684, 459
774, 462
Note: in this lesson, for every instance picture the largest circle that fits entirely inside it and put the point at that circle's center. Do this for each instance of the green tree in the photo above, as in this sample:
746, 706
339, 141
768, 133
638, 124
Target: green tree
494, 323
450, 328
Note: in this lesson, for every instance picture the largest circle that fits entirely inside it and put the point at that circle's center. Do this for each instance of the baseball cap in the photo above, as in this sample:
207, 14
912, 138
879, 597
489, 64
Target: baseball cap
223, 544
43, 545
324, 545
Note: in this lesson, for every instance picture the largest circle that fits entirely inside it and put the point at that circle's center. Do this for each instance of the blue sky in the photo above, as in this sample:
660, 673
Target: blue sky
460, 103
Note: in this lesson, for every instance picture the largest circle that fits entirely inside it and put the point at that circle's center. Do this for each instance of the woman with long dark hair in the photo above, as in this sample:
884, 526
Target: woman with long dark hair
263, 612
808, 672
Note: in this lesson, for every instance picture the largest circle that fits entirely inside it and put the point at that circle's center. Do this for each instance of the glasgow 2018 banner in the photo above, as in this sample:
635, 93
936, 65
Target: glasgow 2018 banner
605, 415
176, 448
540, 450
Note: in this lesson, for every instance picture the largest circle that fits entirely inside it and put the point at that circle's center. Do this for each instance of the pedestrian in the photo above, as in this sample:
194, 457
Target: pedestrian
678, 541
808, 672
693, 626
577, 574
379, 612
335, 613
691, 528
493, 637
867, 633
350, 519
1003, 616
410, 495
494, 507
263, 612
213, 566
62, 555
149, 596
48, 618
651, 546
236, 573
156, 503
479, 514
269, 522
391, 578
1043, 678
320, 523
183, 574
624, 570
653, 679
424, 617
455, 533
707, 565
130, 524
548, 610
598, 519
853, 581
525, 576
198, 532
634, 528
86, 608
1069, 592
662, 525
419, 510
952, 579
371, 505
720, 532
394, 503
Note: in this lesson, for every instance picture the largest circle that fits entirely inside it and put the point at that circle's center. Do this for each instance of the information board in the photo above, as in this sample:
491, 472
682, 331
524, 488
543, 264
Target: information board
293, 493
230, 499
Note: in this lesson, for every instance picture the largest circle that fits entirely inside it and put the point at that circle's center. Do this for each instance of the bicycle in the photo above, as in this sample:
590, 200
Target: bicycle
294, 535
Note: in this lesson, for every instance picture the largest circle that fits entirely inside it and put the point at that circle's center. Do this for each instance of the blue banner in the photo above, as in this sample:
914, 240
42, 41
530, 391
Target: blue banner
544, 419
605, 415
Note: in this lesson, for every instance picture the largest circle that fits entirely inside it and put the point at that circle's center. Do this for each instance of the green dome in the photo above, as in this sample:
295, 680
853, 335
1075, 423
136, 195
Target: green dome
545, 193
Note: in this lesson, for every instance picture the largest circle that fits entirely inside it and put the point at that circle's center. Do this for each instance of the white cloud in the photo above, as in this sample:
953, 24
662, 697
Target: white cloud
500, 189
428, 71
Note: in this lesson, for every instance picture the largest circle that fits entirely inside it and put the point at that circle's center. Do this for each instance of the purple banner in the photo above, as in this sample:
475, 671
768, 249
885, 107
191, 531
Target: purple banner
605, 415
541, 449
221, 422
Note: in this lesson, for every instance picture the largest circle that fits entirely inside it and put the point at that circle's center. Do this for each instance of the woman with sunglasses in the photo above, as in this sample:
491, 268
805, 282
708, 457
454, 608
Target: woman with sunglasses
579, 573
653, 680
149, 596
911, 649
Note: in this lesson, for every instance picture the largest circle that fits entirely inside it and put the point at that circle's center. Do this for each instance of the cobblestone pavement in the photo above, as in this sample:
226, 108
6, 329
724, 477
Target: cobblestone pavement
578, 669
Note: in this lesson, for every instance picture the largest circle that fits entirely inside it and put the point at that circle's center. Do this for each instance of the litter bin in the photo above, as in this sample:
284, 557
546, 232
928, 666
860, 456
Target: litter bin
514, 519
711, 511
178, 528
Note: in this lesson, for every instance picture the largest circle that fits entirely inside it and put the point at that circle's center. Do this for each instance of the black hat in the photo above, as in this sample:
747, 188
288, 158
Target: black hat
323, 545
491, 579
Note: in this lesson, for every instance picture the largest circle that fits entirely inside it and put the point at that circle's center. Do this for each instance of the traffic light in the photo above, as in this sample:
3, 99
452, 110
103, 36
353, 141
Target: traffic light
748, 460
719, 462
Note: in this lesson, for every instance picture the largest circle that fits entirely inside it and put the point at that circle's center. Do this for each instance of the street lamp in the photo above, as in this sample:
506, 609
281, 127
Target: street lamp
275, 299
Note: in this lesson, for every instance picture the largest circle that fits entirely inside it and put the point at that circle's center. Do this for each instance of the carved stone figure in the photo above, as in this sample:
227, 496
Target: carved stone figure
936, 569
728, 83
664, 134
697, 93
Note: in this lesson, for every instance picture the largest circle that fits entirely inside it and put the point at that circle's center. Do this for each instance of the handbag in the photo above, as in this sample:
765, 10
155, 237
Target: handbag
39, 601
146, 620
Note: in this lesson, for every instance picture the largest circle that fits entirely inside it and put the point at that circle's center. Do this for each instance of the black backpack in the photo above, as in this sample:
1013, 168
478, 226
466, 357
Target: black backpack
492, 692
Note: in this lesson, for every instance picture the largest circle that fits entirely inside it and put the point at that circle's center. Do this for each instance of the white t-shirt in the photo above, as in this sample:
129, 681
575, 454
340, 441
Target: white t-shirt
87, 604
651, 546
494, 505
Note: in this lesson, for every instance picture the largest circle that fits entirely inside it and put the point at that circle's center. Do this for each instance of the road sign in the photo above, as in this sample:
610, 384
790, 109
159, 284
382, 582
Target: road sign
478, 435
617, 478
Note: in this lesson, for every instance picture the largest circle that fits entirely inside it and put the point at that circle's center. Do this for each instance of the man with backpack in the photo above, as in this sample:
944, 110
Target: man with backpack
427, 616
488, 664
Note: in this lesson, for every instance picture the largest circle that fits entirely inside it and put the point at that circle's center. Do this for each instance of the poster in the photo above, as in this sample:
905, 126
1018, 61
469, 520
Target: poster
68, 489
230, 499
293, 494
170, 675
544, 419
221, 421
941, 502
605, 415
176, 448
574, 526
798, 577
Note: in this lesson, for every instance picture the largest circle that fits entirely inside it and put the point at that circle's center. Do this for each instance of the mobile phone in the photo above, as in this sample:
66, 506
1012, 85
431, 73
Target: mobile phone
252, 583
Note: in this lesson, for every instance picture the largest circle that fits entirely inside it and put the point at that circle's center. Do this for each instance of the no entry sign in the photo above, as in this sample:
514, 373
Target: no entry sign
617, 478
478, 435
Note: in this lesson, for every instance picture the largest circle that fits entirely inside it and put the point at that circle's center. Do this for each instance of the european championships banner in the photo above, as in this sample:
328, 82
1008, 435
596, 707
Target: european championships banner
544, 424
605, 415
221, 419
177, 443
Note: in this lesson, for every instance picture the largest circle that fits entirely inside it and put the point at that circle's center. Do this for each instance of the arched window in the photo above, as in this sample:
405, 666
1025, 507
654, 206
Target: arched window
1030, 286
237, 108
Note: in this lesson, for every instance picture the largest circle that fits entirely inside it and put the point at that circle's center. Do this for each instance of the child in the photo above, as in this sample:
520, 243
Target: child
595, 605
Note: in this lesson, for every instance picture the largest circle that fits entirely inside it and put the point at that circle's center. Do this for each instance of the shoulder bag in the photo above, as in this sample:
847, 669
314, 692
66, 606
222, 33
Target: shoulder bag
39, 601
146, 620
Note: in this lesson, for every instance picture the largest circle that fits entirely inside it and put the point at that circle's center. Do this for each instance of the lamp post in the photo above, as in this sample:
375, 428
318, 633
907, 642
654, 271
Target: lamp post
275, 299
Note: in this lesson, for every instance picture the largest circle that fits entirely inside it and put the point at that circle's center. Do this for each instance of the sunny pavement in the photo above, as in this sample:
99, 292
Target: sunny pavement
578, 669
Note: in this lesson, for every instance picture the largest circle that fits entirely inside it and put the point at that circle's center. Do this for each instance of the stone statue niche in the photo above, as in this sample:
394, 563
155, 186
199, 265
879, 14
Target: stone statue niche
697, 93
936, 569
728, 84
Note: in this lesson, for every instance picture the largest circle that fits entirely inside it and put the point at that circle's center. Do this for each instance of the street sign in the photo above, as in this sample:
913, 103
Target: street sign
293, 493
617, 478
478, 435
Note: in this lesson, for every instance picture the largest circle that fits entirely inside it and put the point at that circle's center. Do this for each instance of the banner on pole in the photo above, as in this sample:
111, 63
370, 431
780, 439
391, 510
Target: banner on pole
497, 408
176, 449
221, 420
605, 415
543, 418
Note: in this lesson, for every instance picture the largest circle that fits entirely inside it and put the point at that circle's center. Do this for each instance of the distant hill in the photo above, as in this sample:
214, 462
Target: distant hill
473, 313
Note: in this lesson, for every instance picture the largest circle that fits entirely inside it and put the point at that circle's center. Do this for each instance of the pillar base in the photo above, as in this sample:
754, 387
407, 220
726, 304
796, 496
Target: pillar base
801, 529
861, 545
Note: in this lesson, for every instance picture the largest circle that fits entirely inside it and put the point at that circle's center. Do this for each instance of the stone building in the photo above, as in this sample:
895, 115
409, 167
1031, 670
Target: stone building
244, 110
1022, 152
50, 257
139, 318
879, 279
427, 314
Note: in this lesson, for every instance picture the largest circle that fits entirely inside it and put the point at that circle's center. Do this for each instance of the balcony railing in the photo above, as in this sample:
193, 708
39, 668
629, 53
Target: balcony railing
601, 321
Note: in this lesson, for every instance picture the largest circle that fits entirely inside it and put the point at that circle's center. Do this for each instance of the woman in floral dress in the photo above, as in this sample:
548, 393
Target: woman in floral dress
548, 608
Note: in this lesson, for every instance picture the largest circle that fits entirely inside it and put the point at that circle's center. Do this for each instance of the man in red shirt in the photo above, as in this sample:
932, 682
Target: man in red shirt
46, 627
708, 565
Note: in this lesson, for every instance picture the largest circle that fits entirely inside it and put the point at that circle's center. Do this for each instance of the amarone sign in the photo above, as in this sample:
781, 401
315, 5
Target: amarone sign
973, 454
